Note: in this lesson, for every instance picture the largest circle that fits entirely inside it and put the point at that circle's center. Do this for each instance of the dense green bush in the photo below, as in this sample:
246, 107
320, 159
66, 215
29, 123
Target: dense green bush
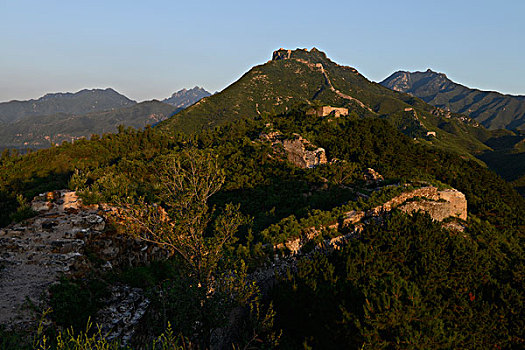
407, 283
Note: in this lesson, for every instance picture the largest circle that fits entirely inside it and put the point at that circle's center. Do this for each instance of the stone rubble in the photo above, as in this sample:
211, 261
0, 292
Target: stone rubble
36, 253
372, 177
122, 312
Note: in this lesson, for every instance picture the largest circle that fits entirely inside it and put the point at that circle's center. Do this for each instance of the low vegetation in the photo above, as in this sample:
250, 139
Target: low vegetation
219, 200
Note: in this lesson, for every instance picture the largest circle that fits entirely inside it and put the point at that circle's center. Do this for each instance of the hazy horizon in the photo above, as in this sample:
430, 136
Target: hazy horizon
149, 51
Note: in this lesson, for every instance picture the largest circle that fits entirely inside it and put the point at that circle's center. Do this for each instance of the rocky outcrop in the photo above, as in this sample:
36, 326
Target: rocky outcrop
352, 217
439, 204
281, 54
123, 308
303, 154
298, 150
38, 251
185, 98
371, 176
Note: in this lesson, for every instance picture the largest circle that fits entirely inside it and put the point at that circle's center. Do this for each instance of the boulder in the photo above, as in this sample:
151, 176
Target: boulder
298, 150
372, 176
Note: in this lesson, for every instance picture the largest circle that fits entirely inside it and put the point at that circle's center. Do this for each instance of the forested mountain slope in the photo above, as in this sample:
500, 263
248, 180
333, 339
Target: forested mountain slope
492, 109
55, 118
302, 77
277, 224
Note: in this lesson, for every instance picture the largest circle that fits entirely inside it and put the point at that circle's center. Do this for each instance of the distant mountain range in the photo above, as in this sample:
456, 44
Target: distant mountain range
44, 131
59, 117
492, 109
82, 102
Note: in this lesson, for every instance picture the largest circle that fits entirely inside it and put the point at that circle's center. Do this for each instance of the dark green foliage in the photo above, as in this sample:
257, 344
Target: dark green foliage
150, 275
13, 340
52, 168
74, 302
23, 211
407, 284
507, 158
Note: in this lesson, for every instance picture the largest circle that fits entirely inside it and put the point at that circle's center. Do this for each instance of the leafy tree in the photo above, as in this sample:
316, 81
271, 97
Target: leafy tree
181, 222
196, 234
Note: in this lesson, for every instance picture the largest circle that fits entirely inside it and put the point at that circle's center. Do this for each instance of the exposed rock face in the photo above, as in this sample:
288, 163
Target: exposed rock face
352, 217
327, 110
185, 98
372, 176
281, 54
123, 309
299, 151
36, 252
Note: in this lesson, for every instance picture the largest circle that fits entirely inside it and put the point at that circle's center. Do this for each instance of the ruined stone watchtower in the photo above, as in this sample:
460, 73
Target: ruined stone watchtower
327, 110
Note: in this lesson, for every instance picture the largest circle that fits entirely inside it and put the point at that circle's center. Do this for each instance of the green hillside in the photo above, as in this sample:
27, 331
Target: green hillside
302, 77
218, 192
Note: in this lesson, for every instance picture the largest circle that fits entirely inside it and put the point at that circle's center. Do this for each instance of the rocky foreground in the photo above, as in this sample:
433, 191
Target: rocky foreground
37, 252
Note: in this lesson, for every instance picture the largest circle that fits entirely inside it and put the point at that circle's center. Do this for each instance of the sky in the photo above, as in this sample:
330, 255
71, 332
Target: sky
150, 49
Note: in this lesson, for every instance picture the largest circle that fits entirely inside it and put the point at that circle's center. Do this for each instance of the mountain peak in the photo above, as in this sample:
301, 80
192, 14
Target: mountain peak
185, 98
283, 54
434, 73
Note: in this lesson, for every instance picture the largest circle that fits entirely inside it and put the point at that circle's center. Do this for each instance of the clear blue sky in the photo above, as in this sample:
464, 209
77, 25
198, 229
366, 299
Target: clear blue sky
149, 49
